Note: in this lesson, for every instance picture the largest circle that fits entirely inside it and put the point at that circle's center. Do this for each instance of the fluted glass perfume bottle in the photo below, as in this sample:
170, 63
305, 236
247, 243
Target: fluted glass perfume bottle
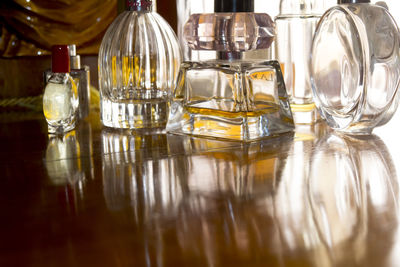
355, 66
295, 27
139, 61
231, 91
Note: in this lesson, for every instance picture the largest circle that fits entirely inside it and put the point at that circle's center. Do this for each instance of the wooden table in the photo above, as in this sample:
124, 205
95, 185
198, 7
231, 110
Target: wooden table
98, 197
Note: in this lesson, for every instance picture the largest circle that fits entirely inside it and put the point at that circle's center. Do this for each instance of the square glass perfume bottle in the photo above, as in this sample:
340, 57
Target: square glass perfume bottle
231, 91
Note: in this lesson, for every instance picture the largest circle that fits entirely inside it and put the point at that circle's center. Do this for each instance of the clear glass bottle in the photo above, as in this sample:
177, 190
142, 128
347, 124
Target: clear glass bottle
355, 66
295, 27
81, 75
139, 61
60, 98
231, 91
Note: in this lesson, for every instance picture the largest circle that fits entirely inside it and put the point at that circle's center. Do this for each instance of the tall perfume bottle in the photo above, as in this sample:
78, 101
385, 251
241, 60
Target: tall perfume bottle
355, 66
230, 92
81, 75
139, 61
60, 98
295, 27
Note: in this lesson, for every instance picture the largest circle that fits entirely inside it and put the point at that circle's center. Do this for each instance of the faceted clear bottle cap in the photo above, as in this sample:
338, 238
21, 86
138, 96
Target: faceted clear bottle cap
301, 7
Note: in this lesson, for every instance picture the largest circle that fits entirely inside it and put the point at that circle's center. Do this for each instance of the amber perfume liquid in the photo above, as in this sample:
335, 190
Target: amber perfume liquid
240, 101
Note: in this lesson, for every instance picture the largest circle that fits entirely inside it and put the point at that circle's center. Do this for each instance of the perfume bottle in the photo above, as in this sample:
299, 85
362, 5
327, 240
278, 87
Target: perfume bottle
230, 91
81, 76
355, 66
60, 98
295, 27
139, 61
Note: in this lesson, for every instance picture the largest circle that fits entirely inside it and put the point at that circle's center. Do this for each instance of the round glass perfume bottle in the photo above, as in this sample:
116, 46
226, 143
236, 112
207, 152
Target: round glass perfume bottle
60, 98
355, 66
230, 90
139, 61
295, 27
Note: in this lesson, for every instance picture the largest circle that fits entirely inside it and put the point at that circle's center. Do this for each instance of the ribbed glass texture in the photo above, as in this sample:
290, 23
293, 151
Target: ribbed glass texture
355, 67
229, 31
139, 61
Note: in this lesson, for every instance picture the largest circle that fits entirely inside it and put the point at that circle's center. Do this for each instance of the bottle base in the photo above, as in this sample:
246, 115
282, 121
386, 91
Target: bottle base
234, 100
305, 113
233, 126
134, 114
60, 129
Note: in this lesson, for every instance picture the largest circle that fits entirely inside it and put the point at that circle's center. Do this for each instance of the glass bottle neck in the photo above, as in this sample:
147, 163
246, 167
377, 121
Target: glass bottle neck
140, 5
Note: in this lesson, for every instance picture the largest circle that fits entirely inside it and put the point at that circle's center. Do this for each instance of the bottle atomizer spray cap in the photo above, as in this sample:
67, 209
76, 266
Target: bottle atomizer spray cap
222, 6
75, 60
60, 59
139, 5
353, 1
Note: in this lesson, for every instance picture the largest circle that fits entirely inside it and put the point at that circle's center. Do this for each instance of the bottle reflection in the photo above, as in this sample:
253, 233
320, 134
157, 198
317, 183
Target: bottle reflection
240, 169
291, 210
205, 197
69, 163
136, 167
349, 190
196, 199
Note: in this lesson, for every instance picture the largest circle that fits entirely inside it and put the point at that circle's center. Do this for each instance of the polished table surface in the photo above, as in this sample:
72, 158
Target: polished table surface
100, 197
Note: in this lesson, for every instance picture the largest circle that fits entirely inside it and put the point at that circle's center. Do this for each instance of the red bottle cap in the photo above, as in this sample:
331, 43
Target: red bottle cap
60, 59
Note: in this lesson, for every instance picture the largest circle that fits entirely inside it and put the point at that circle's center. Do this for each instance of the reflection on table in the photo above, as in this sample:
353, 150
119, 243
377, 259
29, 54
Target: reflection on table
316, 198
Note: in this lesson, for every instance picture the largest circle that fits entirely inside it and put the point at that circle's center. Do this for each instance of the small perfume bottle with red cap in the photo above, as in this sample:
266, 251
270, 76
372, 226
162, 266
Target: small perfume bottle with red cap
60, 99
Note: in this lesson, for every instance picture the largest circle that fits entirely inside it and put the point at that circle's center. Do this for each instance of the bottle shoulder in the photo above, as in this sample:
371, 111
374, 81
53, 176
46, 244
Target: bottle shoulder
59, 78
370, 25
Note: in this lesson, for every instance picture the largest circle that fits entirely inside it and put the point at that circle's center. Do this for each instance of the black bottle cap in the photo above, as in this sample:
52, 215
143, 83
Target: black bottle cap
353, 1
234, 6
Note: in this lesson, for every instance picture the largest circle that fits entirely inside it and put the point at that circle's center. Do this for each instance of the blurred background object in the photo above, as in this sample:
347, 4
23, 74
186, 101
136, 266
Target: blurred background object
31, 27
28, 29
